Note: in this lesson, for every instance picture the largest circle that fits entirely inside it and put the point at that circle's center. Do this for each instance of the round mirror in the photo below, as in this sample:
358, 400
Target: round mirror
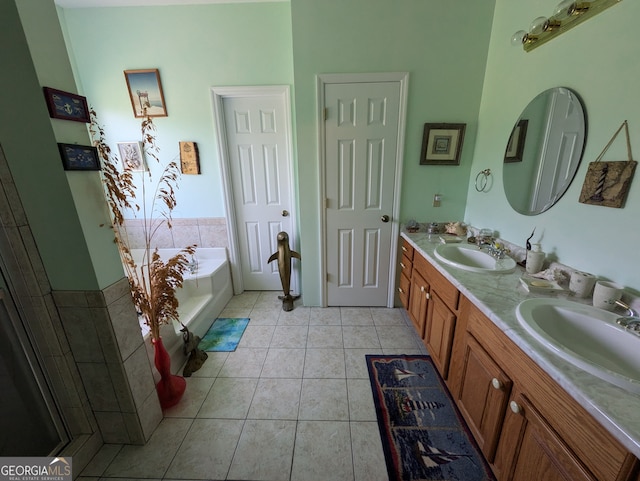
544, 150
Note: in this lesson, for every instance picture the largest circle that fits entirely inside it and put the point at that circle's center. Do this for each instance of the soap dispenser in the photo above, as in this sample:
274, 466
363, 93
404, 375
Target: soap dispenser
535, 259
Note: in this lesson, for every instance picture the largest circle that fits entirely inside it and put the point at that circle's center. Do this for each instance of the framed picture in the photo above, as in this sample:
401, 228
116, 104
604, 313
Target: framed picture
145, 92
442, 144
515, 147
66, 106
131, 156
79, 157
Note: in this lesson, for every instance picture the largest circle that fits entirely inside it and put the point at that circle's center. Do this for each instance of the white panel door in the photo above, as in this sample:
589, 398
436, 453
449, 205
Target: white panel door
563, 133
361, 137
258, 155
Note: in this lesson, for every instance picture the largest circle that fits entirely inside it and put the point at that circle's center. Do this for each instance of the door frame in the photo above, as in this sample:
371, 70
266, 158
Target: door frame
218, 94
321, 80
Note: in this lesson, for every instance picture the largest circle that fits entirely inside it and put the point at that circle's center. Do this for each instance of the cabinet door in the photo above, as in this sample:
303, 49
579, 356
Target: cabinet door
438, 335
484, 391
530, 450
418, 300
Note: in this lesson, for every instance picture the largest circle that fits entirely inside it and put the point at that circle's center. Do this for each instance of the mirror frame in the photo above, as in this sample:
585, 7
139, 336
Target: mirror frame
532, 159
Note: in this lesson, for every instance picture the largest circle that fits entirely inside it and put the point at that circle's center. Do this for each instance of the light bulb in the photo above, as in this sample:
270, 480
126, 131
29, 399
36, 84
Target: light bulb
539, 25
564, 9
519, 38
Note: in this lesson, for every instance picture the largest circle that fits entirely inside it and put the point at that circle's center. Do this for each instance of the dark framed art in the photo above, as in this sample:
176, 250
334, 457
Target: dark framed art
66, 106
79, 157
515, 147
145, 92
442, 144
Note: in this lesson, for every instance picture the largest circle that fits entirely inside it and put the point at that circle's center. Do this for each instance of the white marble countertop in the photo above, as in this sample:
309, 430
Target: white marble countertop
497, 296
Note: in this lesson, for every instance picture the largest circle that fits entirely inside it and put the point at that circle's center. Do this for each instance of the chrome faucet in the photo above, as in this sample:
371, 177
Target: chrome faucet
193, 264
497, 250
630, 322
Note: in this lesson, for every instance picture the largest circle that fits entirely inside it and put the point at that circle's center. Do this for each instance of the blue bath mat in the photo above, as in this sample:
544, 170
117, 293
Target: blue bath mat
224, 334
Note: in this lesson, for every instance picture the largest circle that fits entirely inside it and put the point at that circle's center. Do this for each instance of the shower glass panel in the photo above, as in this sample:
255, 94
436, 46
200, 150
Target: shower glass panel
30, 424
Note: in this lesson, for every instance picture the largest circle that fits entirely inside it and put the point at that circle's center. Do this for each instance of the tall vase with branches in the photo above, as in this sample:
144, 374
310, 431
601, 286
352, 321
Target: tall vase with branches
153, 280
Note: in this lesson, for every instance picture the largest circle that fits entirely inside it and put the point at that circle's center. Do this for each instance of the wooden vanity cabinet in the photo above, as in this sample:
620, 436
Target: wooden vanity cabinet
542, 433
431, 302
526, 425
442, 313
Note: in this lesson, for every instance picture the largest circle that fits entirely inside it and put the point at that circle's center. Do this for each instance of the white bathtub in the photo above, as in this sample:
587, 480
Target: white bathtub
203, 295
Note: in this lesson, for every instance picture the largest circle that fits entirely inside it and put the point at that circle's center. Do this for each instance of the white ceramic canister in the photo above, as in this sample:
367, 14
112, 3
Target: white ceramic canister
605, 295
581, 283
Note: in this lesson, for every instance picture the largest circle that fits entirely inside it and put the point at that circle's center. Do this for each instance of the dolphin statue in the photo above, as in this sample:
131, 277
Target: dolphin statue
284, 255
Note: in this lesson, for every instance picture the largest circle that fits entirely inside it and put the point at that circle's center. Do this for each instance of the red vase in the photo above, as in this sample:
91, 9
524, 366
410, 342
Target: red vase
170, 388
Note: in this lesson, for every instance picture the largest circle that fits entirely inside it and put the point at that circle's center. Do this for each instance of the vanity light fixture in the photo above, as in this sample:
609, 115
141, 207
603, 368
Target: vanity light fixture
566, 15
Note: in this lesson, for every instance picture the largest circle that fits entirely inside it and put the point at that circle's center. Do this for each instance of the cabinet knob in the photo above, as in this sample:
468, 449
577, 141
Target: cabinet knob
404, 249
403, 266
496, 383
421, 288
400, 290
427, 296
515, 407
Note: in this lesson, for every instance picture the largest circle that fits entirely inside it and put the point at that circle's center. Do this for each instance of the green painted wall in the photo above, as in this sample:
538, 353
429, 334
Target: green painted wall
29, 142
443, 46
195, 47
598, 60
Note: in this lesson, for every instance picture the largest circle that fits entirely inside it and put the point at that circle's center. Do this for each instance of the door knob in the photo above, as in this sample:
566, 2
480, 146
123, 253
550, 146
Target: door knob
285, 213
384, 218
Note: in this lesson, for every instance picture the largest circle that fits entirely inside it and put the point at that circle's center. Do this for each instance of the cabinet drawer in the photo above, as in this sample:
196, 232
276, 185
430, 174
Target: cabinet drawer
406, 266
447, 291
406, 249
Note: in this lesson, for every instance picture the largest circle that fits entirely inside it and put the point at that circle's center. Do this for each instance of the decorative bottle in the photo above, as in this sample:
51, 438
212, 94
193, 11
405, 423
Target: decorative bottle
535, 259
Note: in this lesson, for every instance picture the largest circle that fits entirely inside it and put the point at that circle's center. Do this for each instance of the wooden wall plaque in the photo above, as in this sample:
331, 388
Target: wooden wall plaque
189, 159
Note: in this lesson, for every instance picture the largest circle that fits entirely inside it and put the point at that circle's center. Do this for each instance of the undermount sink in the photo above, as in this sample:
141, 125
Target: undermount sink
585, 336
472, 258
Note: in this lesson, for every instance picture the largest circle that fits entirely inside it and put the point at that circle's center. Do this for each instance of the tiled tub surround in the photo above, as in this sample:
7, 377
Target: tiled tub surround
497, 297
204, 232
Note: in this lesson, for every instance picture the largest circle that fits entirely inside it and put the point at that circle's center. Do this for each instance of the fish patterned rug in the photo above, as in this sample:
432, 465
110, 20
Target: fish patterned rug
424, 437
224, 334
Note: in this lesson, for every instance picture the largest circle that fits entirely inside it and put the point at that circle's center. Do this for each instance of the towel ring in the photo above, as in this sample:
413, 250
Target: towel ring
482, 182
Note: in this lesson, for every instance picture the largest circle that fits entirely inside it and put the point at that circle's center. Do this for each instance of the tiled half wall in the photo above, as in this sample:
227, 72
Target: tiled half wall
204, 232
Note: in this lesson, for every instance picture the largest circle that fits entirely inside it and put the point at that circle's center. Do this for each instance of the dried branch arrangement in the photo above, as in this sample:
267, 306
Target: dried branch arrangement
154, 281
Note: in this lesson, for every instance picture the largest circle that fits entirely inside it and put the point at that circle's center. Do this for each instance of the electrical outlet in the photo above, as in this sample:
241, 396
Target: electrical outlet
436, 200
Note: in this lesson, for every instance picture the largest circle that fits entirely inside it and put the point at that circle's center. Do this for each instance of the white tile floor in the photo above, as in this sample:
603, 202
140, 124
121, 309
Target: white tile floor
293, 402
